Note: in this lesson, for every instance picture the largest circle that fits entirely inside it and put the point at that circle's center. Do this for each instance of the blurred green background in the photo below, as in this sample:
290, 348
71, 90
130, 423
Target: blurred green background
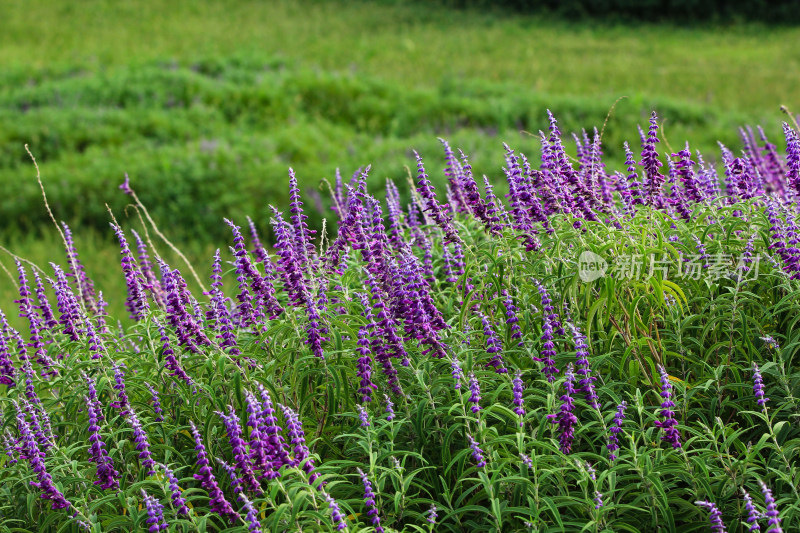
207, 104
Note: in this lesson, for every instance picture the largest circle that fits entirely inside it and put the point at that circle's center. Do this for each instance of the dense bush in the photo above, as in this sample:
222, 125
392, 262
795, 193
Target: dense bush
215, 137
602, 352
681, 11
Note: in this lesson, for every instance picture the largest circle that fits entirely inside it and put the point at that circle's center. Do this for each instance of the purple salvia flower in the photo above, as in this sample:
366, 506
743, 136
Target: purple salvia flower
337, 517
432, 516
49, 321
146, 268
259, 447
518, 401
275, 449
106, 475
155, 514
471, 194
598, 499
615, 430
453, 172
205, 476
236, 481
9, 447
288, 262
494, 345
671, 433
96, 347
773, 520
297, 437
364, 365
369, 502
758, 388
477, 453
792, 157
156, 402
136, 302
714, 517
260, 285
432, 206
511, 319
548, 351
363, 416
69, 311
583, 370
456, 372
240, 453
303, 236
36, 342
142, 443
178, 501
30, 451
8, 373
475, 393
77, 272
565, 418
753, 515
389, 407
495, 213
651, 164
219, 315
251, 515
259, 251
171, 362
121, 402
526, 460
178, 304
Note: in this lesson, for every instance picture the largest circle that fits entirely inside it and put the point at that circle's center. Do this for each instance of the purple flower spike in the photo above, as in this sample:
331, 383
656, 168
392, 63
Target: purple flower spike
155, 514
526, 460
518, 402
363, 416
205, 476
240, 453
106, 475
565, 418
584, 370
369, 502
615, 430
156, 402
493, 345
142, 443
758, 388
137, 299
477, 453
337, 517
671, 433
389, 407
121, 402
178, 502
549, 324
773, 520
297, 437
26, 308
8, 373
511, 319
598, 499
753, 515
456, 372
30, 450
714, 517
365, 366
251, 516
432, 206
432, 516
474, 393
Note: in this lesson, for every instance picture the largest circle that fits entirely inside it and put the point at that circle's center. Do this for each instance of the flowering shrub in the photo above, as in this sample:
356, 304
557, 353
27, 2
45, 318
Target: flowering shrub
602, 351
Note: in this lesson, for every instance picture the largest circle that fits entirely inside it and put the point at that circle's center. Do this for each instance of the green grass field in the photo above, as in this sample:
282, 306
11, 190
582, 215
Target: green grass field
206, 105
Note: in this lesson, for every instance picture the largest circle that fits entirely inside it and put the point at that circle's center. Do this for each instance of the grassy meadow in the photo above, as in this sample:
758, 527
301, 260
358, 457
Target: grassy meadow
206, 105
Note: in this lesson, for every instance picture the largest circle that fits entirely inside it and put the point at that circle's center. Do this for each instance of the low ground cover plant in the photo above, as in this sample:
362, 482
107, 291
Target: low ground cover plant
597, 351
